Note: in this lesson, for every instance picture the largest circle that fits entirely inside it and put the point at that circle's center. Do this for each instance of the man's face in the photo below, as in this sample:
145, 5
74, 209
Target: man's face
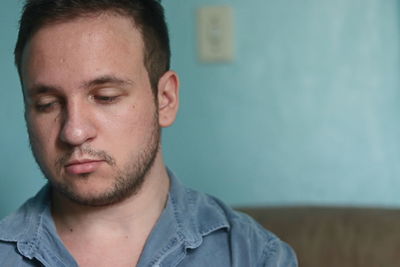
90, 111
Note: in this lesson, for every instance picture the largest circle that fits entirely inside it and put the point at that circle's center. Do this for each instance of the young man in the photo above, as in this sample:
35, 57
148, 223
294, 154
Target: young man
97, 91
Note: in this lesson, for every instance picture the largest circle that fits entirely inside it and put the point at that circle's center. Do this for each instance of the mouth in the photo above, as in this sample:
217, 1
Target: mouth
83, 166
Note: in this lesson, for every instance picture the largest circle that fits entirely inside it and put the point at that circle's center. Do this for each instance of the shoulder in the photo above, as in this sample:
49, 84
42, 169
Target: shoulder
236, 235
252, 243
19, 227
213, 234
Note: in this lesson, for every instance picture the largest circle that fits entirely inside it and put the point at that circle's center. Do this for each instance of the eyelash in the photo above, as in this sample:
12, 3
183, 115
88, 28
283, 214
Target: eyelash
101, 99
45, 107
105, 99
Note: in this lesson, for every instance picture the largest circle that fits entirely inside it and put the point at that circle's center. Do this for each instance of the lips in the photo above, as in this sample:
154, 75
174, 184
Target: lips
82, 166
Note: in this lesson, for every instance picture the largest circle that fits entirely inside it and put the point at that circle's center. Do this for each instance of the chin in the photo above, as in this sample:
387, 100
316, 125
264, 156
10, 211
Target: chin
91, 190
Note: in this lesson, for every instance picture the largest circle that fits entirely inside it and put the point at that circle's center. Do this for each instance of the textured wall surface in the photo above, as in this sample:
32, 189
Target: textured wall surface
307, 113
19, 176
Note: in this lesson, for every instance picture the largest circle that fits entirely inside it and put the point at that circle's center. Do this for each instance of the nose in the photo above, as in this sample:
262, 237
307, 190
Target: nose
77, 125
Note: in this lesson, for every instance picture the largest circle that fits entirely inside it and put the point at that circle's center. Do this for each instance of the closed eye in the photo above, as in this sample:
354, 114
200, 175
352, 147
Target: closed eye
105, 99
46, 103
44, 107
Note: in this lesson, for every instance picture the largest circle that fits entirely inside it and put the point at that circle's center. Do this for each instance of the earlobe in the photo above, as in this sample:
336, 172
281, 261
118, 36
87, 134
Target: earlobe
168, 98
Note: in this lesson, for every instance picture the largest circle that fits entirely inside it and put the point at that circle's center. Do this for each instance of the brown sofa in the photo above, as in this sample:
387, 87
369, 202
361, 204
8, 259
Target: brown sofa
336, 236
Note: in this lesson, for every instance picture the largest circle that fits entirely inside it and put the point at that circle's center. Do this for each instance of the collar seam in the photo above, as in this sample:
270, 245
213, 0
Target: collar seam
214, 228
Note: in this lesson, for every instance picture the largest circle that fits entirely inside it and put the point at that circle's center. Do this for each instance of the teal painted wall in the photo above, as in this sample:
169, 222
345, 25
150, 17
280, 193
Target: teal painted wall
307, 113
19, 176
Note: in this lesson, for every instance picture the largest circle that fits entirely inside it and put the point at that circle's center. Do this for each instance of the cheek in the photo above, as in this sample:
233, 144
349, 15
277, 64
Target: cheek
42, 134
120, 126
129, 130
133, 118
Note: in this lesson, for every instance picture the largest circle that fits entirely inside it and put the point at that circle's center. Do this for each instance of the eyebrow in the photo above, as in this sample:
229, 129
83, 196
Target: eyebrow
107, 79
41, 89
101, 80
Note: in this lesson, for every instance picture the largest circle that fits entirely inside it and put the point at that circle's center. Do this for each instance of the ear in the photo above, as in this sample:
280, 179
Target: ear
168, 98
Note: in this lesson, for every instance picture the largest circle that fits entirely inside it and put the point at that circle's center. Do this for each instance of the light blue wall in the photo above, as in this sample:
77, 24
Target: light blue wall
19, 176
307, 113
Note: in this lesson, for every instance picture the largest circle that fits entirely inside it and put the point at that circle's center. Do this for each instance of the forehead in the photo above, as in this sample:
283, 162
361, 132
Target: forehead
85, 45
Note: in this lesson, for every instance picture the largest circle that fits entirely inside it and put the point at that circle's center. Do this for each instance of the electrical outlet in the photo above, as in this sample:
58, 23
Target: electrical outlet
215, 33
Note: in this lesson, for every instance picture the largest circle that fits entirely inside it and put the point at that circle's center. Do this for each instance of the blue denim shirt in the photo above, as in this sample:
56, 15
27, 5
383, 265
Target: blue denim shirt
193, 230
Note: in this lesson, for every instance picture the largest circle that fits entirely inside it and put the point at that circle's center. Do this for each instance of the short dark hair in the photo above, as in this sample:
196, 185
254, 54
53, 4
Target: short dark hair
148, 16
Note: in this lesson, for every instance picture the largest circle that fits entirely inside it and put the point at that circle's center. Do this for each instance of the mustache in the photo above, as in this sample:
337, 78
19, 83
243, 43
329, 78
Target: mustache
85, 151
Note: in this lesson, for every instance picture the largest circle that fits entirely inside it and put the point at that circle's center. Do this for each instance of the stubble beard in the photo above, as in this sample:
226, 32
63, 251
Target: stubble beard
127, 181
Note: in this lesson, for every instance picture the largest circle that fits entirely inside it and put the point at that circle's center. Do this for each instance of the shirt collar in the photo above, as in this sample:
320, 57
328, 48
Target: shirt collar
32, 228
186, 219
23, 224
